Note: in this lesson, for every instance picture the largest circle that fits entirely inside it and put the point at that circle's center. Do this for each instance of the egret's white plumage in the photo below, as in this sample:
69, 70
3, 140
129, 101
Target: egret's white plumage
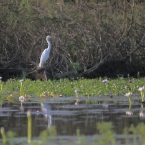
45, 53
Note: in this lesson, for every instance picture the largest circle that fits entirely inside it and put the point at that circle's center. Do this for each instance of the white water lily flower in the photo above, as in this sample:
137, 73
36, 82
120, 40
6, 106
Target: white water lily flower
21, 99
21, 80
128, 94
141, 89
129, 113
104, 81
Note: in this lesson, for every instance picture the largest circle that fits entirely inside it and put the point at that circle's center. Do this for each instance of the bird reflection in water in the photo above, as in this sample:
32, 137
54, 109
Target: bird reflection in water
45, 107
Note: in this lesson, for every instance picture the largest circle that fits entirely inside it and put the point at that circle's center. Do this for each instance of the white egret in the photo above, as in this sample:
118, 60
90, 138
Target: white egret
45, 53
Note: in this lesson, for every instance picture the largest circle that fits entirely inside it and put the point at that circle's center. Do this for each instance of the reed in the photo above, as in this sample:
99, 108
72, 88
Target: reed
29, 129
4, 139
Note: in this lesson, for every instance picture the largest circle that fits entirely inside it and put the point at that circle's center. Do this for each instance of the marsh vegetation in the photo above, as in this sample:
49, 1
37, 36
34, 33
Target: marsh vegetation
58, 108
65, 87
90, 39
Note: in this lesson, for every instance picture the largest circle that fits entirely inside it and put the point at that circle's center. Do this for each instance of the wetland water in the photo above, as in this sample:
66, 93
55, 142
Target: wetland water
68, 115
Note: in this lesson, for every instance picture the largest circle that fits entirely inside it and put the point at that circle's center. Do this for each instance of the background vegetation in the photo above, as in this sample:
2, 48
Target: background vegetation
89, 37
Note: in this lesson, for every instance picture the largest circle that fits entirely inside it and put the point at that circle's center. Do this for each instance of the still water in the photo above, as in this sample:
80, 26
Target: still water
69, 114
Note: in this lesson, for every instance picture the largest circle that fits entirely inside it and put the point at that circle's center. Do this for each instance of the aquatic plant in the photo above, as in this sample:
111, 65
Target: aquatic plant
77, 102
76, 91
21, 99
104, 136
21, 86
10, 137
106, 132
1, 91
1, 87
66, 88
128, 95
141, 113
29, 129
129, 112
141, 93
3, 135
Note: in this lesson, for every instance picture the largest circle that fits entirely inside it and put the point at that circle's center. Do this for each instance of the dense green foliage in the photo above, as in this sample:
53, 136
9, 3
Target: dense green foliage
12, 89
86, 33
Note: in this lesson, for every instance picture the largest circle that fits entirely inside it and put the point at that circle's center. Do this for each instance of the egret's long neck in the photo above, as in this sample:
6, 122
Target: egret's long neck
49, 44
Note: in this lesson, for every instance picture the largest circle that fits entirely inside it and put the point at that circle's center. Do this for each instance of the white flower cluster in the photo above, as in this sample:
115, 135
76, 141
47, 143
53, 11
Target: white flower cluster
128, 94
